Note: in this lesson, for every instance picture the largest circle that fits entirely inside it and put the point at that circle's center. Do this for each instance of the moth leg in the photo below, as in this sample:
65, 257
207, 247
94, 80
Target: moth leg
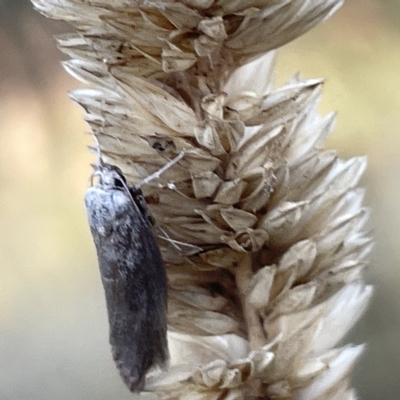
158, 173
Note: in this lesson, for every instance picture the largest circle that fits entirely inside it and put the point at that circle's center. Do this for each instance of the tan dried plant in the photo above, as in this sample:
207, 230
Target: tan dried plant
264, 236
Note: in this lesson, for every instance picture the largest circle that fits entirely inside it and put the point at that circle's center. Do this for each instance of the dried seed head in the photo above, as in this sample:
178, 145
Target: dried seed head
274, 225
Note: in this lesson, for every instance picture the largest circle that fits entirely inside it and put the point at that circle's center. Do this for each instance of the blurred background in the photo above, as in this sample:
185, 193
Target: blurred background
53, 325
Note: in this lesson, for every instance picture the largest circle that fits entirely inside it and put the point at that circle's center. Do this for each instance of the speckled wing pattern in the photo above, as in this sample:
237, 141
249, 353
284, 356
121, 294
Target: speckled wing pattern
133, 275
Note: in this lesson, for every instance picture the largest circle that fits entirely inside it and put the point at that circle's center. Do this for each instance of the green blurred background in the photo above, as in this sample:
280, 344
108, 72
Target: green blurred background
53, 330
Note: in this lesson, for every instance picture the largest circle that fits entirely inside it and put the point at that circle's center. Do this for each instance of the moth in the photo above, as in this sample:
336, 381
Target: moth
132, 272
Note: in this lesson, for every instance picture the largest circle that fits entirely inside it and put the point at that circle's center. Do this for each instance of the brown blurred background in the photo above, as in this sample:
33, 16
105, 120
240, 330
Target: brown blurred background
53, 330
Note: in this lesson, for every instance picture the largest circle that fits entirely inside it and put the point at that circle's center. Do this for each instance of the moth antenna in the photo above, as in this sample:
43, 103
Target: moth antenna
177, 243
100, 161
128, 192
168, 239
158, 173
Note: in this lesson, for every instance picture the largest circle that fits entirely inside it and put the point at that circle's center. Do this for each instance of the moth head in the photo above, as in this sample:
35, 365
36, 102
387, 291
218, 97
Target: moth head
109, 177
